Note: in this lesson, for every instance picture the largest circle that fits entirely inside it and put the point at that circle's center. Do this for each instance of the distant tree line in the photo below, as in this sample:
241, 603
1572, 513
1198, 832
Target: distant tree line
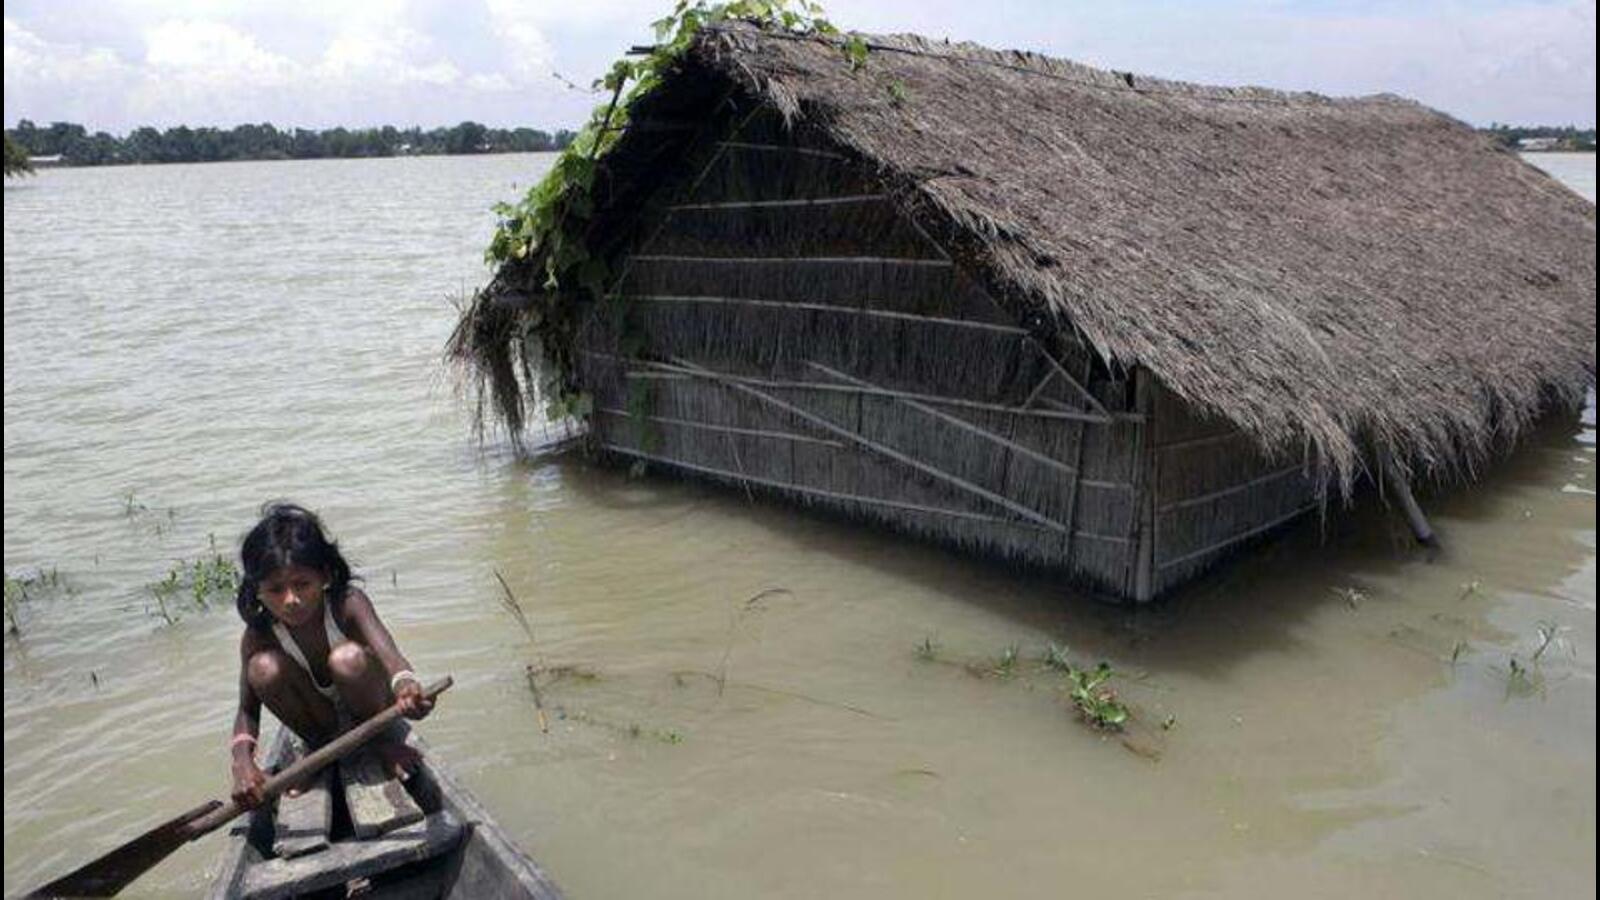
1561, 138
16, 159
77, 147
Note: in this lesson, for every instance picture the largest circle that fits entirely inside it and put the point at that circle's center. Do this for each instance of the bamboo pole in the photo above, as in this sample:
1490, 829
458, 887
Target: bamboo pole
775, 260
840, 495
1092, 400
829, 308
963, 424
1397, 482
1225, 492
1237, 538
781, 204
707, 426
1078, 481
852, 389
782, 148
1144, 530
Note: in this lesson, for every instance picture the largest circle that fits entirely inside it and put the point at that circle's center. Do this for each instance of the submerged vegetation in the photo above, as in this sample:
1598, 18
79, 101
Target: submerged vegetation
26, 586
509, 601
1096, 701
1087, 689
207, 579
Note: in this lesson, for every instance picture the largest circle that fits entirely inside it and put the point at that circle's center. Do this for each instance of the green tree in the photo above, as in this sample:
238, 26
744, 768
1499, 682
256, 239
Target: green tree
16, 159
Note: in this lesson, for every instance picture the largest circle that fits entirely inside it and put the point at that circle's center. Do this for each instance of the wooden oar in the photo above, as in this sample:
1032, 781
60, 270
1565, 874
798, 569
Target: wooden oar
114, 871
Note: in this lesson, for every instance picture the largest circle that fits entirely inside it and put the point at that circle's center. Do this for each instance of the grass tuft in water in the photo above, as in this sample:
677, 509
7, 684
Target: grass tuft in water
1055, 658
207, 579
1097, 702
1551, 634
1005, 666
1522, 680
1353, 597
24, 587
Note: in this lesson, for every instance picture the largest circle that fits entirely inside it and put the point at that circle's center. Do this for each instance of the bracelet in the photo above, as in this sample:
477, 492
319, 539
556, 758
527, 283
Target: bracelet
242, 739
403, 675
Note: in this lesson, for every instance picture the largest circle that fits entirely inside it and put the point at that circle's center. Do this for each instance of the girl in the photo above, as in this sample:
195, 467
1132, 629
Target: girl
314, 650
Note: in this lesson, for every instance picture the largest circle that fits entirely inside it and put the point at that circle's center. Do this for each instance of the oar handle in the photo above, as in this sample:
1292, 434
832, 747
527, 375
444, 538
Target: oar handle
329, 752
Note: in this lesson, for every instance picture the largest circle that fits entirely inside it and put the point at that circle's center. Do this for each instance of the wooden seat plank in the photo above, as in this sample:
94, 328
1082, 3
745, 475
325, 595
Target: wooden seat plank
377, 801
302, 822
346, 860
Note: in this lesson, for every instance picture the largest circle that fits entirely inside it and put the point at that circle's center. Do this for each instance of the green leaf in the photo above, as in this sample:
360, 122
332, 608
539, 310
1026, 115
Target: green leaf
855, 49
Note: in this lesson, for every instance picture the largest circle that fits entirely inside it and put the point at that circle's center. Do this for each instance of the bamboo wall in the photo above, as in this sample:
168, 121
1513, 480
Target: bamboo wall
1215, 492
785, 331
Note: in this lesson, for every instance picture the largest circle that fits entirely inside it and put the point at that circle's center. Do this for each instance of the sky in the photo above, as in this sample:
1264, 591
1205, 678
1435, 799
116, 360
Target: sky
118, 64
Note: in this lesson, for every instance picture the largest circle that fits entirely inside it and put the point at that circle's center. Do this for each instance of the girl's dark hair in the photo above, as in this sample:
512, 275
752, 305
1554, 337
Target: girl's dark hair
287, 535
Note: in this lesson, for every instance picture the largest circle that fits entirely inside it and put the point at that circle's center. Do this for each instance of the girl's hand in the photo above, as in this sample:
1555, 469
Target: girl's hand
414, 704
248, 784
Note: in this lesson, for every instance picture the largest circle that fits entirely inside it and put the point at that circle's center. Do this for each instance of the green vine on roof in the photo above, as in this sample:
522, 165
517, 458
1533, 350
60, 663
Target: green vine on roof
552, 214
542, 238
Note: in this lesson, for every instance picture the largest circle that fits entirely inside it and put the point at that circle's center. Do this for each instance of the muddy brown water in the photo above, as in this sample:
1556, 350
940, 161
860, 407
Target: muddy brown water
182, 343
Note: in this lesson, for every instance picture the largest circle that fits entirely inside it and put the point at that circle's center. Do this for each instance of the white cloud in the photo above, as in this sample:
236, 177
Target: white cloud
88, 80
319, 63
527, 52
490, 84
213, 53
391, 59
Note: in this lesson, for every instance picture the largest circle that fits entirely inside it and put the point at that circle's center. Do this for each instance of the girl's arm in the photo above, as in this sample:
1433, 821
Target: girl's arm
370, 630
248, 780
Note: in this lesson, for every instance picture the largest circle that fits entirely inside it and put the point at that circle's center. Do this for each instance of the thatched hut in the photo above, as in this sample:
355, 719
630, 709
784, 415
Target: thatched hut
1106, 324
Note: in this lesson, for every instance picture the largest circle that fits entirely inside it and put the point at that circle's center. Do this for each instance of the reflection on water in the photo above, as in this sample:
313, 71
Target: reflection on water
1343, 712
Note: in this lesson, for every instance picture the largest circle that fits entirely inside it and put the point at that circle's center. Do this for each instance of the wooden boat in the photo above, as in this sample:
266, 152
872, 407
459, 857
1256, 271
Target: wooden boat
356, 832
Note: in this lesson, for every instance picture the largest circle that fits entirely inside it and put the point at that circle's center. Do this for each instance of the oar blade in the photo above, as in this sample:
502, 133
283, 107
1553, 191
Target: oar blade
112, 872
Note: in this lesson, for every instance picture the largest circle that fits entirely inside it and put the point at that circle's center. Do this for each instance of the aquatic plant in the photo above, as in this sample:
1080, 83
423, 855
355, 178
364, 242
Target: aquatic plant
1096, 701
23, 587
1055, 658
509, 601
213, 577
1353, 597
164, 590
1522, 680
1550, 634
1005, 665
131, 507
14, 597
753, 604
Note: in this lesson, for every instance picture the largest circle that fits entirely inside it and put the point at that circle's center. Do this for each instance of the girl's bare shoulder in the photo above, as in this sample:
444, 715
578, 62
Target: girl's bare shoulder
356, 609
255, 640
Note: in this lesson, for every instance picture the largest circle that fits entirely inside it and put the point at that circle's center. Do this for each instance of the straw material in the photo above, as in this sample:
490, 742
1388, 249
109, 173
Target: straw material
1339, 274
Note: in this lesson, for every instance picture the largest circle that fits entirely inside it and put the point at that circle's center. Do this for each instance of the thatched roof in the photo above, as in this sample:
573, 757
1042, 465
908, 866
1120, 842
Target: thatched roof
1343, 274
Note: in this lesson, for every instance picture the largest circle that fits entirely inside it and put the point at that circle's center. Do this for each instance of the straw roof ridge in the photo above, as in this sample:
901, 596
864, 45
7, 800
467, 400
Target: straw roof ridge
1361, 277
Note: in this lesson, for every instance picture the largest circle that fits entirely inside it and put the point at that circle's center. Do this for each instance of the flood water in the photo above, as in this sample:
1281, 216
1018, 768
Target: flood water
183, 343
